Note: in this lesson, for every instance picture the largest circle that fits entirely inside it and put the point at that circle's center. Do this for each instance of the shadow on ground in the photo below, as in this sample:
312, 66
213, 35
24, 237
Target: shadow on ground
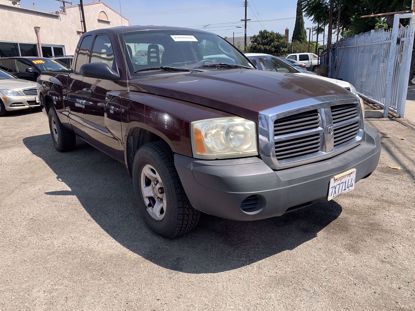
103, 188
15, 113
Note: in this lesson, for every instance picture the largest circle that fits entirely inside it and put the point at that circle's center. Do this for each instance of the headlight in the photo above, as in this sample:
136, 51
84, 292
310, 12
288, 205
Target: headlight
224, 138
11, 93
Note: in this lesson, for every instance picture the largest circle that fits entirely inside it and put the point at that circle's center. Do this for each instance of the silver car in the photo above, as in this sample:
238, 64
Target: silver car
16, 94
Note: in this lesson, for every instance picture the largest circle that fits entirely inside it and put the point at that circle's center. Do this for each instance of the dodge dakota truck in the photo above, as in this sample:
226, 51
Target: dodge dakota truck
201, 131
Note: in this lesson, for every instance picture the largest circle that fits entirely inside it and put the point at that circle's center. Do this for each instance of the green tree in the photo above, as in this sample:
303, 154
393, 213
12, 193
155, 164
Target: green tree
299, 34
268, 42
347, 13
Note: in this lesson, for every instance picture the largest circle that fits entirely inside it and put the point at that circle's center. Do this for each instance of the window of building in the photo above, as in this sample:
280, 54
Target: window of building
28, 49
52, 51
103, 18
9, 49
83, 53
102, 51
47, 51
58, 51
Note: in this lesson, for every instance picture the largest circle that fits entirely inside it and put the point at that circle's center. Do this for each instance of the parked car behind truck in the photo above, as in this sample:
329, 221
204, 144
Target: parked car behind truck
16, 94
29, 68
200, 130
310, 60
273, 63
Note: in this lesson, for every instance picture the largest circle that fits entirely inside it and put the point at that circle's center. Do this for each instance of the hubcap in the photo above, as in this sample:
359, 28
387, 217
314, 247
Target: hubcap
152, 190
55, 130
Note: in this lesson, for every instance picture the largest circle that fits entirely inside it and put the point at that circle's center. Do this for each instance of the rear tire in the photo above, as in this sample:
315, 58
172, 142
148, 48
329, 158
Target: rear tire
162, 201
63, 138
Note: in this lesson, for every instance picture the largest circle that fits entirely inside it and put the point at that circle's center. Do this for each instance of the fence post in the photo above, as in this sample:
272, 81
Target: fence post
407, 65
391, 65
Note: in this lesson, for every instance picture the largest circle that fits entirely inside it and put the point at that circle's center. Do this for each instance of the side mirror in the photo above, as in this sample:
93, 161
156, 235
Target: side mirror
30, 70
99, 71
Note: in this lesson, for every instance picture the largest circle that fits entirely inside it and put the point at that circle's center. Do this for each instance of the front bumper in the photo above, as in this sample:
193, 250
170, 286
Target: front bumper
248, 189
12, 103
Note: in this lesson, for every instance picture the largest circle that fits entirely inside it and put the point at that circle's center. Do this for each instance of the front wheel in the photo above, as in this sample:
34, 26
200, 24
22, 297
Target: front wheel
161, 198
63, 138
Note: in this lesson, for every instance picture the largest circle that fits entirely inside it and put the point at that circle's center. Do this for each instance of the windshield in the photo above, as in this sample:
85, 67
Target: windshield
4, 75
46, 64
180, 49
276, 64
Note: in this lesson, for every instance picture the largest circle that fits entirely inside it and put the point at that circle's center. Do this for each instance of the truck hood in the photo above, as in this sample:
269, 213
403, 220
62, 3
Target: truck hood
341, 83
16, 84
239, 92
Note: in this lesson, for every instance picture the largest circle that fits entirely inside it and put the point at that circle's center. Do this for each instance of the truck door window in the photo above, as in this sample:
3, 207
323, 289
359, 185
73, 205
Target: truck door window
22, 66
83, 53
102, 52
8, 65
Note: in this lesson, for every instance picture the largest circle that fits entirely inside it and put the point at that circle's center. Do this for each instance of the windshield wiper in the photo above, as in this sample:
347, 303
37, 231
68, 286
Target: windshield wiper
223, 65
165, 68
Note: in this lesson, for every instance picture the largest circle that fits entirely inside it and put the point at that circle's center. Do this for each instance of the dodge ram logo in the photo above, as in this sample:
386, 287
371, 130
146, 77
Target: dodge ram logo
329, 129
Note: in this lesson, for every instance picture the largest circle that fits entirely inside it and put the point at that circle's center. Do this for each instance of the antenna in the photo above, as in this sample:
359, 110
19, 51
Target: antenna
121, 19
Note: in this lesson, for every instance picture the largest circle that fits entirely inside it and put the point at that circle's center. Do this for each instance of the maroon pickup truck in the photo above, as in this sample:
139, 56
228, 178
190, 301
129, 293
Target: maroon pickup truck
200, 130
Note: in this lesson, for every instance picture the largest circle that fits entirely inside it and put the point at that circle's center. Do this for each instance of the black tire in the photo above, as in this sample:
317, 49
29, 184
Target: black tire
2, 109
179, 216
63, 138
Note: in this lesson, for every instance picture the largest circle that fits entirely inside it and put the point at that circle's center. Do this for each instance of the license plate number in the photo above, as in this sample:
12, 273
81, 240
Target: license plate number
342, 183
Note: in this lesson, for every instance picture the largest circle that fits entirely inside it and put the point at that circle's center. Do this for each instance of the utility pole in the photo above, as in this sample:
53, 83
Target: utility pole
330, 36
64, 3
81, 5
317, 33
245, 20
309, 38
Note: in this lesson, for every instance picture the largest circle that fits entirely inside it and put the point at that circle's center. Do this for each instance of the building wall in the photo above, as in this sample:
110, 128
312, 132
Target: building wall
17, 24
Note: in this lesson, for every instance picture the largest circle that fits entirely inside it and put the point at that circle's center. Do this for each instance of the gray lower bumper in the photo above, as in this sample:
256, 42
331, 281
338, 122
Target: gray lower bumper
220, 187
13, 103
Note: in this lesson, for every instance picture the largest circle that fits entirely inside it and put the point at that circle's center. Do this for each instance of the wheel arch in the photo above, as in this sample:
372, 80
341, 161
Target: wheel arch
138, 137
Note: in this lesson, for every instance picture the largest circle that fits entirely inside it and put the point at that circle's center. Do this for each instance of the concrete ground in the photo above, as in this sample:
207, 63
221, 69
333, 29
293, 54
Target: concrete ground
410, 105
70, 239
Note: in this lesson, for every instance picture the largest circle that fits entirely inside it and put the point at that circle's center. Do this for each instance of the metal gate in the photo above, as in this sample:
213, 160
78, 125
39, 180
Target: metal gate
378, 63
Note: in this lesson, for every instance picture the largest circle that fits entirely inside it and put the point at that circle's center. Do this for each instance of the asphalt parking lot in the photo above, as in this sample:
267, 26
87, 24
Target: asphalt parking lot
71, 239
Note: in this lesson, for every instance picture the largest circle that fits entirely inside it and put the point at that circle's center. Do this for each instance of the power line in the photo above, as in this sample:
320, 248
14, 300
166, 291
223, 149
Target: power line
251, 21
256, 12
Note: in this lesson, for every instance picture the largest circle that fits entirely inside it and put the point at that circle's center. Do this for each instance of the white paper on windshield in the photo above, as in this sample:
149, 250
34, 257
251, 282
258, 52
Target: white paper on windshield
184, 38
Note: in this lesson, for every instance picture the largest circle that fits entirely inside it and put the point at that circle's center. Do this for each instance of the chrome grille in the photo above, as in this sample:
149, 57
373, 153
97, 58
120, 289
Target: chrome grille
342, 113
311, 130
346, 123
30, 92
287, 143
297, 147
296, 123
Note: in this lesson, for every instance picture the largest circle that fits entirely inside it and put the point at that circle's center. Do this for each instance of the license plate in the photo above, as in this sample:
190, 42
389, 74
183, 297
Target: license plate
342, 183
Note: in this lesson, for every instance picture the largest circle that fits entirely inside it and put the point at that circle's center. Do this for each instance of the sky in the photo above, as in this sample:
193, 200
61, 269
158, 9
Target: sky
218, 16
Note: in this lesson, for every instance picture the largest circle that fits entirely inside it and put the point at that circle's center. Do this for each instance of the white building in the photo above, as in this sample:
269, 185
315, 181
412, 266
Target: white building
58, 33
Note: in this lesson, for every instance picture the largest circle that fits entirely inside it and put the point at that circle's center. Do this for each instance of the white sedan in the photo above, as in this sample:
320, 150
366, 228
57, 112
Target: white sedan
273, 63
16, 94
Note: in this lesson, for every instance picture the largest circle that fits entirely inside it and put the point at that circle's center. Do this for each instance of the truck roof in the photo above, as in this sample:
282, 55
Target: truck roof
125, 29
